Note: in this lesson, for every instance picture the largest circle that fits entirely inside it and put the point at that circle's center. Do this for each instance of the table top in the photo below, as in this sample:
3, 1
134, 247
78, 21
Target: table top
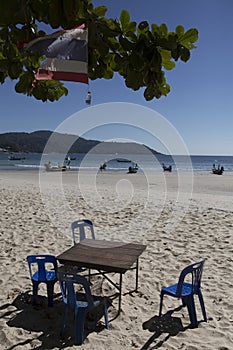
110, 256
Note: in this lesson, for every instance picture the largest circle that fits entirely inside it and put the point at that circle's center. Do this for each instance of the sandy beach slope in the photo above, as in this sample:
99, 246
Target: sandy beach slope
178, 223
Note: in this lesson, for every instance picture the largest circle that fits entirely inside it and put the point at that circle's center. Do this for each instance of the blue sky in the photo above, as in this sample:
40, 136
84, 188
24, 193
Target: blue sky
200, 104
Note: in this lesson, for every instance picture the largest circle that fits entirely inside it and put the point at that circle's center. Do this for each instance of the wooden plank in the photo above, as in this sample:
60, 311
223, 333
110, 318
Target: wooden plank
103, 255
107, 260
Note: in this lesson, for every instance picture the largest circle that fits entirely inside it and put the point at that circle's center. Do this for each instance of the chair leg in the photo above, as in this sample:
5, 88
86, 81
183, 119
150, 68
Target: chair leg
201, 300
79, 326
161, 304
50, 288
35, 285
183, 302
192, 311
105, 314
64, 317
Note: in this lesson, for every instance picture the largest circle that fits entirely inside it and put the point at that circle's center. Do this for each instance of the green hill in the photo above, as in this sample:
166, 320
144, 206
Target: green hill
35, 142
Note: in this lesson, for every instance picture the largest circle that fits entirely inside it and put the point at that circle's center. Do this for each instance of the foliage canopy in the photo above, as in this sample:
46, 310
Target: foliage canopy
140, 53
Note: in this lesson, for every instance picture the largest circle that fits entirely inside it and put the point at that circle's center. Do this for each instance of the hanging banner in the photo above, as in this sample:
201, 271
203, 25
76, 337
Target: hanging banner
66, 54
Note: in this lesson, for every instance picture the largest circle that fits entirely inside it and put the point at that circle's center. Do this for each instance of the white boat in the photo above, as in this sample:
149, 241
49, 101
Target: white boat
16, 158
49, 167
133, 169
123, 160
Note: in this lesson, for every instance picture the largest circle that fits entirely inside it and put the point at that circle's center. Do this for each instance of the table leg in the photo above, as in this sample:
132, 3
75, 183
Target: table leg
120, 292
137, 265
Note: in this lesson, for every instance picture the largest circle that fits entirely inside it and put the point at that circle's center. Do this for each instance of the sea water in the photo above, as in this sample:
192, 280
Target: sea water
92, 162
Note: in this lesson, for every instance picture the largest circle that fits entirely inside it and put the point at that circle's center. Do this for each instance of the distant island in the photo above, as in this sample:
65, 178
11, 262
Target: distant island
35, 142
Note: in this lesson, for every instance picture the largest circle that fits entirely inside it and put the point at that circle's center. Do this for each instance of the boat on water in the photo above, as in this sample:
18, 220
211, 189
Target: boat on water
123, 160
49, 167
16, 158
70, 158
217, 171
167, 168
133, 169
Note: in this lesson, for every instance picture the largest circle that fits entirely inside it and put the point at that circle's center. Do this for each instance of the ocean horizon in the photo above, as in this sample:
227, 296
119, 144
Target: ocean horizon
152, 163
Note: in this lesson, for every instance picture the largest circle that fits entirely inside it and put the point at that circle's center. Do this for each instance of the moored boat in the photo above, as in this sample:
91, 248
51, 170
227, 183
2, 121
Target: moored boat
70, 158
16, 158
49, 167
167, 168
133, 169
218, 171
123, 160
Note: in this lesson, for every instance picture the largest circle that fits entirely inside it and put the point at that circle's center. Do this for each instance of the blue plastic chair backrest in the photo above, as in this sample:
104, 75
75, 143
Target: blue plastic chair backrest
41, 261
82, 225
67, 281
195, 270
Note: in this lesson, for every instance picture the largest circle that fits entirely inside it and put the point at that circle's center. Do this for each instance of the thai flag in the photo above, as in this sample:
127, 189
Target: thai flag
66, 54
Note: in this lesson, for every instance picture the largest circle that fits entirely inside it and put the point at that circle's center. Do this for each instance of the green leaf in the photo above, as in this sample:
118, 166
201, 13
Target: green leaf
164, 87
134, 51
149, 93
103, 48
10, 50
154, 28
126, 44
108, 74
166, 59
39, 9
92, 35
184, 54
190, 37
124, 20
169, 65
180, 31
163, 29
4, 33
132, 80
55, 13
2, 77
131, 36
25, 83
113, 25
4, 63
156, 61
137, 61
175, 53
131, 27
12, 12
143, 26
70, 8
113, 44
14, 70
39, 92
100, 11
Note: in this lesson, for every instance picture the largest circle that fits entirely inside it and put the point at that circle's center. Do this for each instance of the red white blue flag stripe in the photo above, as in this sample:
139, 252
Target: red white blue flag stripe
66, 55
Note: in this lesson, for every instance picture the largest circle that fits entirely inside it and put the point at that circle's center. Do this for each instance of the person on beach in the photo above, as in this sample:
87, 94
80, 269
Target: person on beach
103, 166
68, 163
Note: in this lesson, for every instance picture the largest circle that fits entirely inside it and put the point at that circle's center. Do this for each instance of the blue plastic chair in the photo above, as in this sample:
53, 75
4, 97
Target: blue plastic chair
186, 291
41, 272
82, 303
84, 226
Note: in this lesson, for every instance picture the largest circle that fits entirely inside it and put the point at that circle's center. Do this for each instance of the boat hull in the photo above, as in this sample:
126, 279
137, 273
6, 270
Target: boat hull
55, 168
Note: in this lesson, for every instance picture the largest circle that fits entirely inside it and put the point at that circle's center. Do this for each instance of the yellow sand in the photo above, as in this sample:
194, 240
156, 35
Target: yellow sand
179, 226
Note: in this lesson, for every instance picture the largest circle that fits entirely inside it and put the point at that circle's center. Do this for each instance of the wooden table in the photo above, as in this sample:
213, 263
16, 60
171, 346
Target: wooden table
106, 257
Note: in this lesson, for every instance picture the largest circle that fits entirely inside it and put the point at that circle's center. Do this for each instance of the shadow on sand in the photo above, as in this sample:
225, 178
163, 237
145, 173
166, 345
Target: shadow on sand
165, 324
41, 319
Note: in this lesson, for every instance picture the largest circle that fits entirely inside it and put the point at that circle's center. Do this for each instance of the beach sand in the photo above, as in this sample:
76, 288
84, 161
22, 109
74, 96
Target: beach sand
179, 224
